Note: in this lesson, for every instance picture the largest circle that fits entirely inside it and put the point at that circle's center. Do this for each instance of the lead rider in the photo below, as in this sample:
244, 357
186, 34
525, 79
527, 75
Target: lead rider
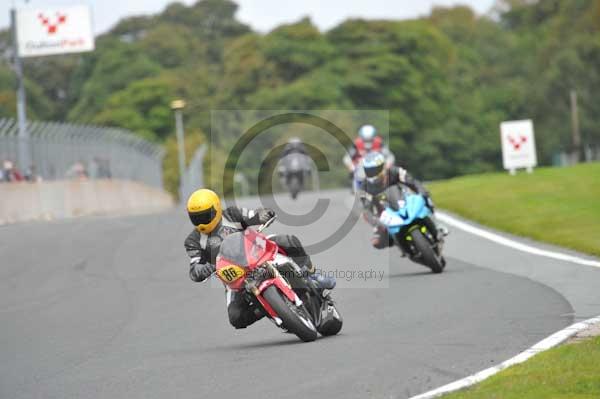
212, 225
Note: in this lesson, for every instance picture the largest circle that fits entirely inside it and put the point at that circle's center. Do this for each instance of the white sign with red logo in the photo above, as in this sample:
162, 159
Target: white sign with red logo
51, 31
518, 144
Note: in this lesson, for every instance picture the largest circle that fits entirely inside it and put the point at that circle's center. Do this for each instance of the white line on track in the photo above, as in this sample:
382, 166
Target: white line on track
547, 343
512, 243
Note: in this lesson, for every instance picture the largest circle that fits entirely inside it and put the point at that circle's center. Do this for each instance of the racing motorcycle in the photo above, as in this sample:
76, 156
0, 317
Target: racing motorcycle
293, 172
406, 217
251, 263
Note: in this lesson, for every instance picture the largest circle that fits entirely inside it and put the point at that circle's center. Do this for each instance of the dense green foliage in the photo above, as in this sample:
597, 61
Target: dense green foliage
447, 79
556, 205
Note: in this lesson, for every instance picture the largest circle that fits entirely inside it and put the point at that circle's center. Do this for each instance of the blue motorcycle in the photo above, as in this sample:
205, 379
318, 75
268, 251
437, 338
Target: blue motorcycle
406, 217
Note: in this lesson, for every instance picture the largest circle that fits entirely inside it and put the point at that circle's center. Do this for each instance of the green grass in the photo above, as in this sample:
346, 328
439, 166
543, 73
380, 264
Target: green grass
556, 205
570, 371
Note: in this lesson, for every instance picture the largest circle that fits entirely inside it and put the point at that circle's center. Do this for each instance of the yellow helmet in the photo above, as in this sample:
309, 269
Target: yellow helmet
204, 209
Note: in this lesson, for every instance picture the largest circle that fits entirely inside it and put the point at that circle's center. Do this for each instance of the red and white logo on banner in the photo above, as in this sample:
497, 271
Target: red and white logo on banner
51, 24
55, 30
518, 144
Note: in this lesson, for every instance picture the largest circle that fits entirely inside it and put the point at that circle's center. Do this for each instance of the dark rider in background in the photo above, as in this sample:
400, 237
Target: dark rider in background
212, 225
294, 166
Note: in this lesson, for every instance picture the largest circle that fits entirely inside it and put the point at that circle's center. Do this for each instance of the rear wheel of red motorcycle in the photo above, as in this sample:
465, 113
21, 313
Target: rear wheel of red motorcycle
295, 318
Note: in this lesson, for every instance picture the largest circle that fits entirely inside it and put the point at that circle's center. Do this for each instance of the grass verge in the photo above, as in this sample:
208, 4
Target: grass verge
557, 205
570, 371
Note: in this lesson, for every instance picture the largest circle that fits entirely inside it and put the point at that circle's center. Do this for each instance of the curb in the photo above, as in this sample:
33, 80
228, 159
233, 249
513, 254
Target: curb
545, 344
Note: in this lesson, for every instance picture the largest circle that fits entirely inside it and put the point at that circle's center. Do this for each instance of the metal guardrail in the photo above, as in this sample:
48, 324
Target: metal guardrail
62, 150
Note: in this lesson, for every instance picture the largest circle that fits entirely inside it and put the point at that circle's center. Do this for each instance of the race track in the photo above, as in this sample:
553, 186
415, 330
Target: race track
104, 308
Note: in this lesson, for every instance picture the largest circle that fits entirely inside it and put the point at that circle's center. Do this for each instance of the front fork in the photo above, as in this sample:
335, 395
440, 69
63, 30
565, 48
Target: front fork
428, 229
283, 287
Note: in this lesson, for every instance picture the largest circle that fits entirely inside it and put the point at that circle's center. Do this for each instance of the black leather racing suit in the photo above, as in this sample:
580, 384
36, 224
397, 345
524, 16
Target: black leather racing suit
204, 248
394, 175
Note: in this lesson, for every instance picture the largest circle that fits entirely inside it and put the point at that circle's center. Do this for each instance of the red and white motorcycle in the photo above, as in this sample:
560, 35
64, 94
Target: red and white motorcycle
251, 263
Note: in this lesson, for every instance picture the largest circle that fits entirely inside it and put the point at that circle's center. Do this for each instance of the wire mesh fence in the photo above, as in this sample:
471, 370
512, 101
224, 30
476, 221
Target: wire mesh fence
64, 150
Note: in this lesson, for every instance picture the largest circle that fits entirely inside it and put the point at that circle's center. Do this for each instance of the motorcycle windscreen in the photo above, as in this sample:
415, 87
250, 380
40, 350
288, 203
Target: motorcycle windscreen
394, 197
248, 248
415, 204
233, 249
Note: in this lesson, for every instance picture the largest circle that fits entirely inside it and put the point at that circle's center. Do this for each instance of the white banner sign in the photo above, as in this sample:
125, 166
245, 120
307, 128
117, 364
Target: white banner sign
51, 31
518, 144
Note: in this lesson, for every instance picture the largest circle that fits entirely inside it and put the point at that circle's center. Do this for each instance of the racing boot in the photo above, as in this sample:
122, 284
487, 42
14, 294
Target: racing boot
442, 231
324, 283
321, 282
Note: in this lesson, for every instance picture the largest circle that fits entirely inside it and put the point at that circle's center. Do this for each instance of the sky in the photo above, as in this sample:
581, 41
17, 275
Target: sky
262, 15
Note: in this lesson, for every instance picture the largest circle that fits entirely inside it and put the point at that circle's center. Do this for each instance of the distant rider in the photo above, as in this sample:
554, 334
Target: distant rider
367, 141
294, 151
375, 178
212, 225
294, 146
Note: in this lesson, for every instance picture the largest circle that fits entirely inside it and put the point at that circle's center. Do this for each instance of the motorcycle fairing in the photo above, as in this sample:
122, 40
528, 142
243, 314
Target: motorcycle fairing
243, 252
283, 288
409, 208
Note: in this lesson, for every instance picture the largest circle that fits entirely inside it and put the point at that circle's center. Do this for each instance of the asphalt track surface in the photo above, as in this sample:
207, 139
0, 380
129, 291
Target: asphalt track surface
104, 308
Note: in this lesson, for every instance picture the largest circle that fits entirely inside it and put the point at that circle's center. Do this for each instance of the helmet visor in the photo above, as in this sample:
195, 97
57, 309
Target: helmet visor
202, 217
373, 171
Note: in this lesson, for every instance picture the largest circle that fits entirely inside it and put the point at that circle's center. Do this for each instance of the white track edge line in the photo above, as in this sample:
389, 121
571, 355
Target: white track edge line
545, 344
512, 243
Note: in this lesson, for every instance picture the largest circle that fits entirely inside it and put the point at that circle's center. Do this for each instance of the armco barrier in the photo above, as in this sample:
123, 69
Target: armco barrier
20, 202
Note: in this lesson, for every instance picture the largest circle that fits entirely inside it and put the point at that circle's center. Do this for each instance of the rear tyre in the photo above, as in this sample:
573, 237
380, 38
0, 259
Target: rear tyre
295, 318
294, 187
428, 255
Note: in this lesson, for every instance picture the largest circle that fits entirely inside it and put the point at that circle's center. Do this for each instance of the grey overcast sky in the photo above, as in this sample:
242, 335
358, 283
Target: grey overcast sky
262, 15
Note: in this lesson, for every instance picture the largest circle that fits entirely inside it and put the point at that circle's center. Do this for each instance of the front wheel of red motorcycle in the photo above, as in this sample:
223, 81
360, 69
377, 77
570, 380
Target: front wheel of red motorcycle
295, 318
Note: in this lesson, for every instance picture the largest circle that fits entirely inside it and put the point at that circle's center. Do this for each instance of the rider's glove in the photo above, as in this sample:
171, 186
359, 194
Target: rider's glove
206, 271
365, 200
201, 271
265, 214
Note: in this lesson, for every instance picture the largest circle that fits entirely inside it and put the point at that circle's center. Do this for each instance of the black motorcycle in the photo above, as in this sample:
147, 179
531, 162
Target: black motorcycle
294, 170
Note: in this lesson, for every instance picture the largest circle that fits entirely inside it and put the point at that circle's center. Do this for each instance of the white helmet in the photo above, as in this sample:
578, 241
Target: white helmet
367, 133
